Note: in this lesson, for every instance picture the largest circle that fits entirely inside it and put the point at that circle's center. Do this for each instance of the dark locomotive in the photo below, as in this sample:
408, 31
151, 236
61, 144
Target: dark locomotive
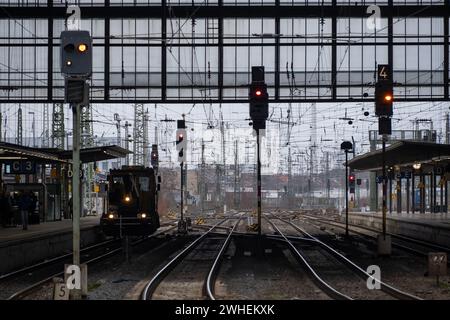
131, 202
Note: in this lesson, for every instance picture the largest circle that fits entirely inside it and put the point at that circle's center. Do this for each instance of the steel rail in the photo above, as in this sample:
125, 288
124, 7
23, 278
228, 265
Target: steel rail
400, 237
48, 262
394, 292
352, 230
151, 286
213, 272
322, 284
35, 286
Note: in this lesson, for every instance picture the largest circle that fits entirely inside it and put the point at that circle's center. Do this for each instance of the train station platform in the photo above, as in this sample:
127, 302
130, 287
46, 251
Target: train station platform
12, 234
20, 247
431, 227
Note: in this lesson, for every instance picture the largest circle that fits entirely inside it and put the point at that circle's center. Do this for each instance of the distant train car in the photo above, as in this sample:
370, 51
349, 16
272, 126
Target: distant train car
131, 209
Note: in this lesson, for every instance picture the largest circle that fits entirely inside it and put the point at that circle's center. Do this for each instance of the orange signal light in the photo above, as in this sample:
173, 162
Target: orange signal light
82, 47
388, 98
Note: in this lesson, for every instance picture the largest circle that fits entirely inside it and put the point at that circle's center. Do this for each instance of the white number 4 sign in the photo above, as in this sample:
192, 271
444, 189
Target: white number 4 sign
383, 73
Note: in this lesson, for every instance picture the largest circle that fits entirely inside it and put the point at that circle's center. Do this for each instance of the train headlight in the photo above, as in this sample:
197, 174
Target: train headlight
127, 199
112, 215
142, 215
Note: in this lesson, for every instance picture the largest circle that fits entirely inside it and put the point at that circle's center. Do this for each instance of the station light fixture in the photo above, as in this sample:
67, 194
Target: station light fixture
417, 165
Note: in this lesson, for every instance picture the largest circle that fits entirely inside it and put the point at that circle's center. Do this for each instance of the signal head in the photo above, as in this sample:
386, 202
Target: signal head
384, 98
76, 54
259, 101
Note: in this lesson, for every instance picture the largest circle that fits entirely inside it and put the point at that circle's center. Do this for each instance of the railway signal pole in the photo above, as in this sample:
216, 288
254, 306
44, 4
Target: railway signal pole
347, 146
76, 67
259, 112
181, 141
384, 110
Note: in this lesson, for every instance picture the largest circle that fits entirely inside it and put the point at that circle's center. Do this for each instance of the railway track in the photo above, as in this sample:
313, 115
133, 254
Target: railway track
316, 278
355, 269
49, 276
198, 265
57, 260
408, 244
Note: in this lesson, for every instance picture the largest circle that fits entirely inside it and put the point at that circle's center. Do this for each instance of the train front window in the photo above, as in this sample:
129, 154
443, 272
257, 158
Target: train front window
144, 184
117, 189
117, 180
121, 186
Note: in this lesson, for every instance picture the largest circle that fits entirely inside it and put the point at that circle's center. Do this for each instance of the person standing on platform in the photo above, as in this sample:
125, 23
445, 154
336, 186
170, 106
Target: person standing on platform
5, 206
24, 207
33, 201
69, 209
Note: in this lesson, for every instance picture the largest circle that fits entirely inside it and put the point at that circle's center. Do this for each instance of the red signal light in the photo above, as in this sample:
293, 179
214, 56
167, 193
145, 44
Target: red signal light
388, 98
351, 178
258, 93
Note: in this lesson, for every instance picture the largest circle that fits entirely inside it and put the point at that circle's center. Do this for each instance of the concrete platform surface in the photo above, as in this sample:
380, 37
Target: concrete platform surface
13, 234
432, 219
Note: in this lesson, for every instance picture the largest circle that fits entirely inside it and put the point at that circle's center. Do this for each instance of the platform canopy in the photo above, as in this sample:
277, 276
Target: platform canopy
404, 154
96, 153
11, 152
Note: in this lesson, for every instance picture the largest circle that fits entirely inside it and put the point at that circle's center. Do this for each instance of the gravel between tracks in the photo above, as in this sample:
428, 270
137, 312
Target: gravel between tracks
116, 279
